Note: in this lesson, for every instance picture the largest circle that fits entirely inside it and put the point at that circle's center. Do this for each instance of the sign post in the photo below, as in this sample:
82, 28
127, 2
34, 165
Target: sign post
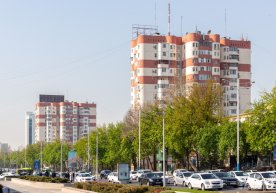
123, 173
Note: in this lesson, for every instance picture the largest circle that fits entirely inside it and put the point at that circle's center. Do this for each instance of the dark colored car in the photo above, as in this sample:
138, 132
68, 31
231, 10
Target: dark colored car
104, 174
227, 180
150, 179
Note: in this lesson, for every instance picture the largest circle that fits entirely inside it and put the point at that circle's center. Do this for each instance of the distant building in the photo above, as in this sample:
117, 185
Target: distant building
4, 147
66, 121
29, 128
160, 62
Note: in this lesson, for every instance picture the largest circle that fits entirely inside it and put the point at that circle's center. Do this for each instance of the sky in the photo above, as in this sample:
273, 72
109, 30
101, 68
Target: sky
81, 49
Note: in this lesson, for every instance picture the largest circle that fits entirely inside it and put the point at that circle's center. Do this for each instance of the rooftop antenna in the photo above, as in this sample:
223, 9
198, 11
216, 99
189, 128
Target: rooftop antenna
155, 5
169, 18
225, 22
181, 27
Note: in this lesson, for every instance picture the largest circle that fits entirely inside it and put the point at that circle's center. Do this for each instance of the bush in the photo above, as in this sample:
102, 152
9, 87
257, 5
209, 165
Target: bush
44, 179
117, 188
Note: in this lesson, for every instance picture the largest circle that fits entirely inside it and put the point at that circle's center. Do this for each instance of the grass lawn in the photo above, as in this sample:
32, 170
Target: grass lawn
192, 190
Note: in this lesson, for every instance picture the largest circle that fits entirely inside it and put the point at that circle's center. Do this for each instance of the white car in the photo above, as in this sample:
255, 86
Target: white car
113, 177
84, 177
133, 175
204, 181
168, 179
240, 176
261, 181
7, 174
178, 171
181, 178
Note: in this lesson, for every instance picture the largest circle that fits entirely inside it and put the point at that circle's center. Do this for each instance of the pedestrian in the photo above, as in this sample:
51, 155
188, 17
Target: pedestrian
73, 176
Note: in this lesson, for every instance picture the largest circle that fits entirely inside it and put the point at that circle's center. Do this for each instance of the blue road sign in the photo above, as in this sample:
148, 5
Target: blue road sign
36, 164
274, 153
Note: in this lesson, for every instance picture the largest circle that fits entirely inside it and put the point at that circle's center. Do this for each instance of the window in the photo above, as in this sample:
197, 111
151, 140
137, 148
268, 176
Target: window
163, 69
164, 45
164, 53
233, 72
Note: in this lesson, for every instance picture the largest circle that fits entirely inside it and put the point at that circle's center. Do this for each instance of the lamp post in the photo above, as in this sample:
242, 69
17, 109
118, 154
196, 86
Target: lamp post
238, 124
164, 167
88, 150
60, 158
41, 165
139, 133
97, 153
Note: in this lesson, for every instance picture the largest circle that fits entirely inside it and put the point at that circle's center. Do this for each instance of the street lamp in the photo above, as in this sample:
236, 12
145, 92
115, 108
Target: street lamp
97, 152
88, 149
238, 122
60, 158
139, 149
164, 168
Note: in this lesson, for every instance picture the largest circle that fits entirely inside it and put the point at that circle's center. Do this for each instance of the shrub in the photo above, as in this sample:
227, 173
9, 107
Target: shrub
44, 179
117, 188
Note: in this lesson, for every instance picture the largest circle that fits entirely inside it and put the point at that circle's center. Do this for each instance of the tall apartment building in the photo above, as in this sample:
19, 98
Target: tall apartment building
29, 128
158, 62
67, 121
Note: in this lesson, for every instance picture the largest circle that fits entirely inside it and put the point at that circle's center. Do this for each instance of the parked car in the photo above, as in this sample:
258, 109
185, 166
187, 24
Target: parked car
178, 171
113, 177
140, 172
240, 176
204, 181
8, 174
261, 181
84, 177
181, 178
104, 174
227, 179
168, 179
150, 179
133, 175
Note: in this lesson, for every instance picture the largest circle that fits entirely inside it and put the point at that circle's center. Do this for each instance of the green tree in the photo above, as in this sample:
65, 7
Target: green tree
261, 132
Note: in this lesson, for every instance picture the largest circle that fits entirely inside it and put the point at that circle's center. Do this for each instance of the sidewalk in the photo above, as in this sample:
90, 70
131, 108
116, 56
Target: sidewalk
28, 189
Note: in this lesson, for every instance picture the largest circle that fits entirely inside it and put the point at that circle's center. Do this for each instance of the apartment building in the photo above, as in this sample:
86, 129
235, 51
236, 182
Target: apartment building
64, 120
158, 63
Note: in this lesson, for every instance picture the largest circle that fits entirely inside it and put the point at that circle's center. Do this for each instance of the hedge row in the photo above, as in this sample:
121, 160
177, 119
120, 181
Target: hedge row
117, 188
44, 179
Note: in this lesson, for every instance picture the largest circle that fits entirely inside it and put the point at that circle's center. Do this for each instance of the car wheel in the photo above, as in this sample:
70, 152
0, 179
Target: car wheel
190, 186
248, 186
174, 184
202, 187
220, 189
184, 184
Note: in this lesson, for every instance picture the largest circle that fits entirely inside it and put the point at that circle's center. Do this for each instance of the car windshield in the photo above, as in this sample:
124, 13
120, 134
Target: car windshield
268, 175
134, 172
152, 175
147, 171
221, 174
85, 175
159, 174
241, 174
187, 174
182, 170
208, 176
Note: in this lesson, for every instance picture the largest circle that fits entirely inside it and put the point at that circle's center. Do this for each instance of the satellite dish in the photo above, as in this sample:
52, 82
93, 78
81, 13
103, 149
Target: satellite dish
209, 31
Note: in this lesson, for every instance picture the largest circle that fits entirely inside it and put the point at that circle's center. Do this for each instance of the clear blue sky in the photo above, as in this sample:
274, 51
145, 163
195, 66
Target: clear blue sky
81, 48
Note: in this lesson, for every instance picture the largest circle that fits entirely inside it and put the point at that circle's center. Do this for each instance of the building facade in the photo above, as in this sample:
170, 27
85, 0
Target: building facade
29, 128
66, 121
159, 62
